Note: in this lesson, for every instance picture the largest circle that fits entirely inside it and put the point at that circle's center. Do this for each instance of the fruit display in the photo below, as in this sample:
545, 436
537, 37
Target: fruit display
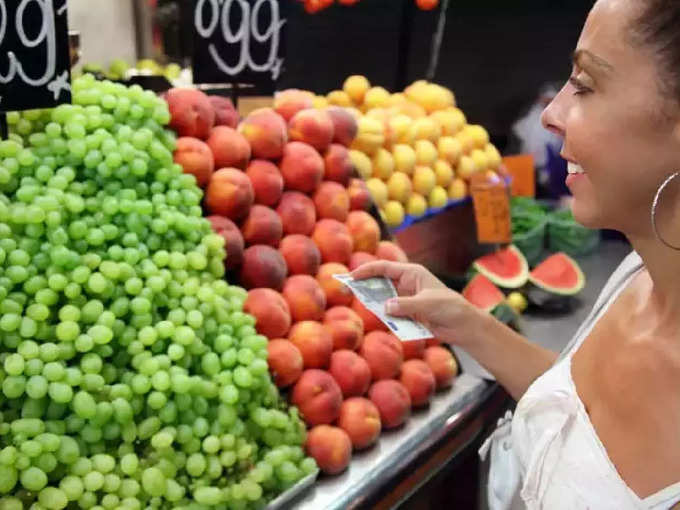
315, 6
120, 70
414, 148
551, 285
283, 181
130, 375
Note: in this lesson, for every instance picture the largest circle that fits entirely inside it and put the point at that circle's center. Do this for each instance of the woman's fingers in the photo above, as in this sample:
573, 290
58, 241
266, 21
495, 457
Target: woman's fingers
392, 270
404, 306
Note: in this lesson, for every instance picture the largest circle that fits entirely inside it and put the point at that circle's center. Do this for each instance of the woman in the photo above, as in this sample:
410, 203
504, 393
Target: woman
598, 427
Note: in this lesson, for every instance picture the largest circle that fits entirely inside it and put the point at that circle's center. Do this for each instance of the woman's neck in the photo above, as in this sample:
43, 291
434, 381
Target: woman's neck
663, 265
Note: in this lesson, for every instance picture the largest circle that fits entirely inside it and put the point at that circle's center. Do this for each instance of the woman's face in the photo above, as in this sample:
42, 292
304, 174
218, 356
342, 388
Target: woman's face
616, 124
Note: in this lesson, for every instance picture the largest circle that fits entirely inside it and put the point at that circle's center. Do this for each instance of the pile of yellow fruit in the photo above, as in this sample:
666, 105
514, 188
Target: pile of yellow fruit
414, 148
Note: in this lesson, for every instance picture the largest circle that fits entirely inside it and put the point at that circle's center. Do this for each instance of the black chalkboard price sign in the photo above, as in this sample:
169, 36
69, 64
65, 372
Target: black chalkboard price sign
239, 42
34, 54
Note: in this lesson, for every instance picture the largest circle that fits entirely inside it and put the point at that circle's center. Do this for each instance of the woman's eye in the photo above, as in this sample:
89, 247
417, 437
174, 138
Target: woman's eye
579, 87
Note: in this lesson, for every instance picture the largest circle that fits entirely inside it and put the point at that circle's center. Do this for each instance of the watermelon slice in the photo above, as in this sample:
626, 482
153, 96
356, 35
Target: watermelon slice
482, 293
558, 274
506, 268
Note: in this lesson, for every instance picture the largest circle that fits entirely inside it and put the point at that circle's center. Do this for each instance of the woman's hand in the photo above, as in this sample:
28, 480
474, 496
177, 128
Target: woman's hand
426, 299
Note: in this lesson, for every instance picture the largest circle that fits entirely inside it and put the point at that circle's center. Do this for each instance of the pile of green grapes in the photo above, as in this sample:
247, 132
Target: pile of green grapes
130, 378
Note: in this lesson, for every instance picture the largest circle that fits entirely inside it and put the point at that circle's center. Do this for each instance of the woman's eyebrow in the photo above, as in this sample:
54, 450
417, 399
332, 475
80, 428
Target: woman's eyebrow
580, 55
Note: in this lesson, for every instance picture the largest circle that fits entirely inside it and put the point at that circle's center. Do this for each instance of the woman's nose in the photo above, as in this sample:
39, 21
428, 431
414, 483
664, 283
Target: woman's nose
554, 114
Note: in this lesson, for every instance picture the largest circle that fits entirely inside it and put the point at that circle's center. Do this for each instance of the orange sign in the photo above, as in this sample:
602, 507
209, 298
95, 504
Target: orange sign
492, 213
523, 172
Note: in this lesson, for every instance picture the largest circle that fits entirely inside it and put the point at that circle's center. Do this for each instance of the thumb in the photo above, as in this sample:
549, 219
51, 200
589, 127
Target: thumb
403, 306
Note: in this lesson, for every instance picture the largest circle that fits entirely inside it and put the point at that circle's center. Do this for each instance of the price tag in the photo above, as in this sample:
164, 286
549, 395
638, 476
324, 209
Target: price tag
34, 54
492, 212
239, 41
523, 173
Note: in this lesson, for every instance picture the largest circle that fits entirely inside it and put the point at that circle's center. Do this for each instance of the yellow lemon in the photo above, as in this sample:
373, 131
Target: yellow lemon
466, 167
423, 180
425, 129
362, 164
383, 164
438, 197
376, 97
394, 213
517, 302
400, 125
356, 87
444, 172
416, 205
404, 158
378, 191
493, 156
320, 102
479, 135
466, 141
450, 149
399, 187
339, 98
426, 153
457, 189
451, 120
480, 159
370, 135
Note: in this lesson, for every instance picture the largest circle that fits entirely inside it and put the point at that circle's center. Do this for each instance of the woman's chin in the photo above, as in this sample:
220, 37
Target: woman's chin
585, 215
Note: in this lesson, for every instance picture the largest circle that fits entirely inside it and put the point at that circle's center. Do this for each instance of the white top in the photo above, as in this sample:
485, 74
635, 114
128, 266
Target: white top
548, 456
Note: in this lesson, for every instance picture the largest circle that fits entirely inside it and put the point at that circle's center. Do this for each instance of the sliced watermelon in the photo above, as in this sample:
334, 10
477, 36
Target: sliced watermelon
506, 268
558, 274
482, 293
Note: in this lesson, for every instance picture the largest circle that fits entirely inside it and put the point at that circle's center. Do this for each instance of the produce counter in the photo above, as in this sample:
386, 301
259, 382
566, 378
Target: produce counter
408, 457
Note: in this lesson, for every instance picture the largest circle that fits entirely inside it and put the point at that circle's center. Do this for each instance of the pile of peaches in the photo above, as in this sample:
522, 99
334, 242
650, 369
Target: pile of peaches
279, 188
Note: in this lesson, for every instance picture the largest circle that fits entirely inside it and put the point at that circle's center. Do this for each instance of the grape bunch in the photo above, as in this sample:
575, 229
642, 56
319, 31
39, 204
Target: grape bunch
130, 378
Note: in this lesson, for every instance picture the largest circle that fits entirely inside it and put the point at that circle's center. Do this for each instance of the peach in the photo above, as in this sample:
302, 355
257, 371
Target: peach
393, 402
298, 214
301, 254
358, 258
263, 266
341, 313
330, 447
443, 365
288, 102
233, 240
271, 312
262, 226
360, 418
413, 349
336, 293
285, 362
346, 334
266, 132
418, 379
317, 396
364, 230
359, 195
196, 158
314, 342
313, 127
305, 297
229, 147
351, 372
432, 342
338, 165
266, 180
370, 320
301, 167
383, 353
332, 201
225, 113
344, 125
229, 194
387, 250
334, 241
191, 113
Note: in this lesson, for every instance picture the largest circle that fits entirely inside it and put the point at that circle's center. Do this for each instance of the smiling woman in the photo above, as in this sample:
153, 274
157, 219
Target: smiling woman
596, 427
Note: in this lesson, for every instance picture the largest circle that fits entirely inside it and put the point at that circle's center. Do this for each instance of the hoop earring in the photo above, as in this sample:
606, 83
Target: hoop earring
655, 205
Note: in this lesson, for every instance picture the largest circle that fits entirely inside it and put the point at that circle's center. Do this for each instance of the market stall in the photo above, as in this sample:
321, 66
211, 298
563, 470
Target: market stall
173, 334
